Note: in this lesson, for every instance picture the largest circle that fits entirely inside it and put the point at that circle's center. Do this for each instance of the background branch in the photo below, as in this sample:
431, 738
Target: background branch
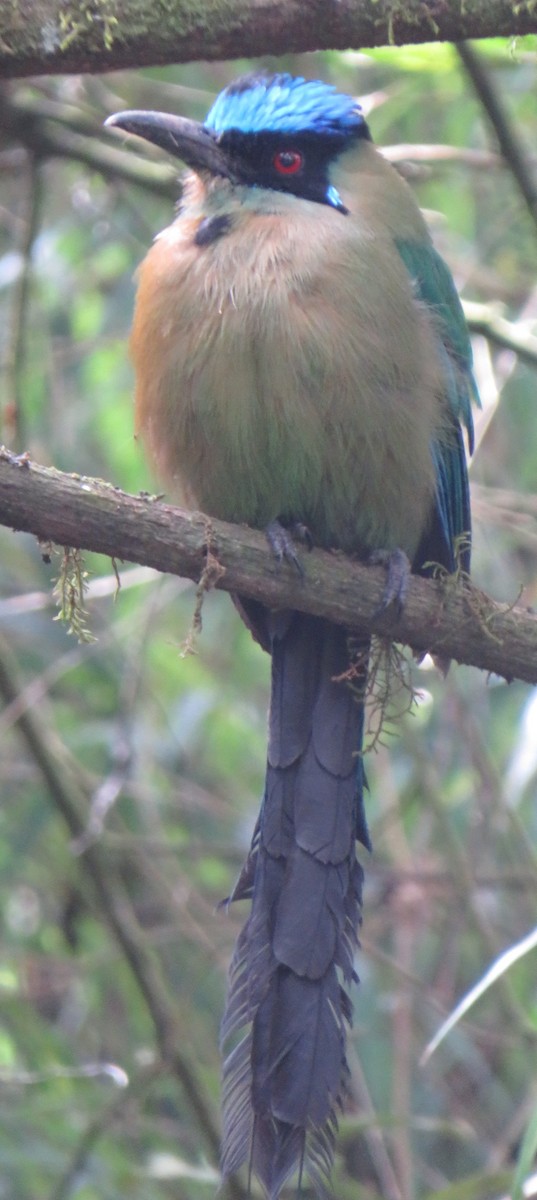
109, 895
45, 36
503, 127
487, 320
52, 130
13, 410
451, 621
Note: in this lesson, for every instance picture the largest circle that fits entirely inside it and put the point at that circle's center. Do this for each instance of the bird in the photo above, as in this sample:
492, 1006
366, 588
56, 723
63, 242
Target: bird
302, 366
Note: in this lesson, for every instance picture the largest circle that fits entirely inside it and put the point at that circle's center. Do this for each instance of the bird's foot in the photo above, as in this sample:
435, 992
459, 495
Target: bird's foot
281, 539
302, 534
398, 574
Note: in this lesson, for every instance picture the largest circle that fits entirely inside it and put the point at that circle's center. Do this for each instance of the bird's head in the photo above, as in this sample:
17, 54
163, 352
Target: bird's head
266, 131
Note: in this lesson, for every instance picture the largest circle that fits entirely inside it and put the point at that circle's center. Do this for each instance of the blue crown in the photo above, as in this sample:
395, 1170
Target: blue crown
284, 104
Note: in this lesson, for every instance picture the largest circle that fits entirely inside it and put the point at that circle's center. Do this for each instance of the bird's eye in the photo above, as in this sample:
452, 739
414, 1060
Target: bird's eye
288, 162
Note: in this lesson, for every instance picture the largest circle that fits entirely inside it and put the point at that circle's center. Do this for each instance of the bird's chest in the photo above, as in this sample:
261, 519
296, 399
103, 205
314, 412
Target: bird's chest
277, 378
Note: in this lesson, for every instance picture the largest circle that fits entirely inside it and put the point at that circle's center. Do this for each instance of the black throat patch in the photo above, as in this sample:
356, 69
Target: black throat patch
212, 228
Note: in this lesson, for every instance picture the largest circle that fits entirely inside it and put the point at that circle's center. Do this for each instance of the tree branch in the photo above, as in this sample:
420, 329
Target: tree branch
451, 621
52, 36
504, 128
50, 129
13, 408
509, 335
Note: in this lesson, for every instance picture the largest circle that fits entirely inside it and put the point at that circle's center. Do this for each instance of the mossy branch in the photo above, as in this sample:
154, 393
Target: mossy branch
452, 621
59, 36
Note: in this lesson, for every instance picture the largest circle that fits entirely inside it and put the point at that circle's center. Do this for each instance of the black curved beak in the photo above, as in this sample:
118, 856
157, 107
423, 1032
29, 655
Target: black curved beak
188, 140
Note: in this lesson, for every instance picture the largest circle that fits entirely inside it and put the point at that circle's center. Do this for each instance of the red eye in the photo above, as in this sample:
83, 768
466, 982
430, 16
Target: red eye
288, 162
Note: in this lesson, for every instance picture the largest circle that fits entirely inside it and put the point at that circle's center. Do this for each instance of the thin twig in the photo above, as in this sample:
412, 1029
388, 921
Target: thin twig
504, 128
430, 786
53, 131
13, 408
100, 1127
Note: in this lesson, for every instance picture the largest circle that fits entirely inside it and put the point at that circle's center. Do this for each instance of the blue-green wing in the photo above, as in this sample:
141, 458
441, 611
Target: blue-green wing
447, 541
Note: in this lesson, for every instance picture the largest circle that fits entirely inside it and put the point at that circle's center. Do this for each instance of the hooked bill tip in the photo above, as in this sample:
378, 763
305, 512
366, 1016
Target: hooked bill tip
119, 120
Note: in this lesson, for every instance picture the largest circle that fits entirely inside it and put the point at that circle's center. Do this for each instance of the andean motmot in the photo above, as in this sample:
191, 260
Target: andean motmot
302, 364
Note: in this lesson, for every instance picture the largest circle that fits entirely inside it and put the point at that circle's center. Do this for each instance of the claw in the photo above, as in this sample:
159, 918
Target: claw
302, 533
282, 545
398, 571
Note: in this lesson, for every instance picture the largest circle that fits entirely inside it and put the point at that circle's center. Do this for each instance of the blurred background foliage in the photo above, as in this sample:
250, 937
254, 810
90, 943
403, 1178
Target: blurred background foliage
131, 775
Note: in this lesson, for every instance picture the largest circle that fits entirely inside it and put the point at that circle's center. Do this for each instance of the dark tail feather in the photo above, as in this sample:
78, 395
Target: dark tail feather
286, 1078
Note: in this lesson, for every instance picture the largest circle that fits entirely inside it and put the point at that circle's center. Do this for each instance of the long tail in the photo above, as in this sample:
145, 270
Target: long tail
286, 1077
